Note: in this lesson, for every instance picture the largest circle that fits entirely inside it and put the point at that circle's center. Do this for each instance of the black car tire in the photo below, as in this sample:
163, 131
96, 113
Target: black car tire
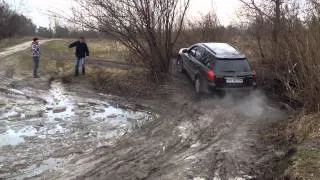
199, 85
179, 65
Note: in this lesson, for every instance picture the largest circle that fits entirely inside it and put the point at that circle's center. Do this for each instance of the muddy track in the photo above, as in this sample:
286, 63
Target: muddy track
195, 137
188, 137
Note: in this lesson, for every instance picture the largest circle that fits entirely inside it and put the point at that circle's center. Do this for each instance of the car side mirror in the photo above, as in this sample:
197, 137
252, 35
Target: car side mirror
184, 50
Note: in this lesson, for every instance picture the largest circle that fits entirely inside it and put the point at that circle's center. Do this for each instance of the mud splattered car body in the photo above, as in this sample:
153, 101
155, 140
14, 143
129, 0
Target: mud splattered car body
216, 66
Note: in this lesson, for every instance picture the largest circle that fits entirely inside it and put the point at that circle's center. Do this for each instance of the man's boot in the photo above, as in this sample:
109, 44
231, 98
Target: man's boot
83, 70
76, 72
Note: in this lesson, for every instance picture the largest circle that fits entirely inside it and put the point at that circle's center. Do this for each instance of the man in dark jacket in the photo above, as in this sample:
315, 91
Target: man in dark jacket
81, 52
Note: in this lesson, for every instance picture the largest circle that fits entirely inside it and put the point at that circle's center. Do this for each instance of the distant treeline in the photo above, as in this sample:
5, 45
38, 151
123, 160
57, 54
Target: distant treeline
65, 32
15, 24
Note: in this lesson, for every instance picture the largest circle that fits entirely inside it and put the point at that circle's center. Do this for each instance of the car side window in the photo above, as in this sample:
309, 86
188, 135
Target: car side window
193, 51
196, 52
206, 58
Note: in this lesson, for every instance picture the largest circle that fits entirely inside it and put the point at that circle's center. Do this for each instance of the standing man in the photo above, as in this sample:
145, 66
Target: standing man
81, 52
36, 56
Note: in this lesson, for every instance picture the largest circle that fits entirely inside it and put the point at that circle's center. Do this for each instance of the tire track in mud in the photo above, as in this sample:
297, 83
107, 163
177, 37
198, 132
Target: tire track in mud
236, 150
195, 138
44, 135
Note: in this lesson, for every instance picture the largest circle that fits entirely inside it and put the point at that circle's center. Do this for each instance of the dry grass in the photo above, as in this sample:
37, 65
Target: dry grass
306, 162
305, 165
306, 127
133, 83
108, 49
58, 60
100, 49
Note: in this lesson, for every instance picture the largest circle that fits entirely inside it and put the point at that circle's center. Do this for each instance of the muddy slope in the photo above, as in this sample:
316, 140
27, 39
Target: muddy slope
194, 137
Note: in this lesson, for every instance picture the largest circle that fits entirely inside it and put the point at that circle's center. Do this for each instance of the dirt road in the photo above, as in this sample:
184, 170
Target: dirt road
68, 131
20, 47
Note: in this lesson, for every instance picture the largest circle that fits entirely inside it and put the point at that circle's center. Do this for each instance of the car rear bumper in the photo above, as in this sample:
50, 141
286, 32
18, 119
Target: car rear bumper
231, 88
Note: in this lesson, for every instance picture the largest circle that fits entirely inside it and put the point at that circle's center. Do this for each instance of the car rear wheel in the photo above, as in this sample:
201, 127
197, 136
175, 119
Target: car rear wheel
197, 85
179, 64
200, 86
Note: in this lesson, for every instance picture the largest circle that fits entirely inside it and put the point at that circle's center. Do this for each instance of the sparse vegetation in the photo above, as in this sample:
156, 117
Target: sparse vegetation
305, 165
149, 29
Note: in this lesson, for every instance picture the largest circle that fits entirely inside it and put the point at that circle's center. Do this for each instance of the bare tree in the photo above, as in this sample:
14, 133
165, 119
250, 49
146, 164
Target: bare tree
289, 49
269, 9
13, 23
148, 28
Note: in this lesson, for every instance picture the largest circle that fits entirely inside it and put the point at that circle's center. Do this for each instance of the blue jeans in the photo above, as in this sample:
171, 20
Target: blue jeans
80, 65
35, 65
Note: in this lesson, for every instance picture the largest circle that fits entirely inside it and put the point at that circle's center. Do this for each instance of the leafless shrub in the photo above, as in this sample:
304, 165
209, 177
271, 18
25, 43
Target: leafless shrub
148, 28
288, 45
206, 29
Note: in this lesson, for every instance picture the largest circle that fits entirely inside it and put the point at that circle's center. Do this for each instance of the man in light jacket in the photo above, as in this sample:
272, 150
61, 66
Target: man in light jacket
36, 56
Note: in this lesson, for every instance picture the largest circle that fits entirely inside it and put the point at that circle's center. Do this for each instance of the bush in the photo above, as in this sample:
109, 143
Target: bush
287, 47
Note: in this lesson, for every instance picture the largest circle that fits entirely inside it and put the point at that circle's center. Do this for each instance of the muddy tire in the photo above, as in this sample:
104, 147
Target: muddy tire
200, 86
179, 65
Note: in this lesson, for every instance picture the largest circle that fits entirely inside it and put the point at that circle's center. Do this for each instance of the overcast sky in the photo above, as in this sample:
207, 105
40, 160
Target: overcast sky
37, 10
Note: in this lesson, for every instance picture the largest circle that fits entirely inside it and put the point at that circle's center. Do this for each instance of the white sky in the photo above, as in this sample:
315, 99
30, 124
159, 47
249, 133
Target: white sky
37, 10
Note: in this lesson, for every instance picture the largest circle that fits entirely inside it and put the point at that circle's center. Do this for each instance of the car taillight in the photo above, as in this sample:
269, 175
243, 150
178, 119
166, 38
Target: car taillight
254, 75
211, 76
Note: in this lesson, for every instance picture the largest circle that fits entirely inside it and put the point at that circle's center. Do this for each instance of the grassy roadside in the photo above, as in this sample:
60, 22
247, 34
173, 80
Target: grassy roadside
305, 164
100, 49
57, 61
56, 57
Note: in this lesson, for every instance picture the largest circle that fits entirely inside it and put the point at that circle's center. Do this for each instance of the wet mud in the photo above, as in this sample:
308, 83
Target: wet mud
38, 136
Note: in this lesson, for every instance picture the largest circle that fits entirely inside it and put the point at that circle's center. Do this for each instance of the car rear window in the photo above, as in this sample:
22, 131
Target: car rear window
232, 66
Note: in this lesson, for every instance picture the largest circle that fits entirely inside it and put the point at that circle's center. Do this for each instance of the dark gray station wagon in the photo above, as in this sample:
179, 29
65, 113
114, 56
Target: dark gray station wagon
216, 66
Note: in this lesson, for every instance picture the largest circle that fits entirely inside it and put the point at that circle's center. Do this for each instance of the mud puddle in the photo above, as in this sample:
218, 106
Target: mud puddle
37, 137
